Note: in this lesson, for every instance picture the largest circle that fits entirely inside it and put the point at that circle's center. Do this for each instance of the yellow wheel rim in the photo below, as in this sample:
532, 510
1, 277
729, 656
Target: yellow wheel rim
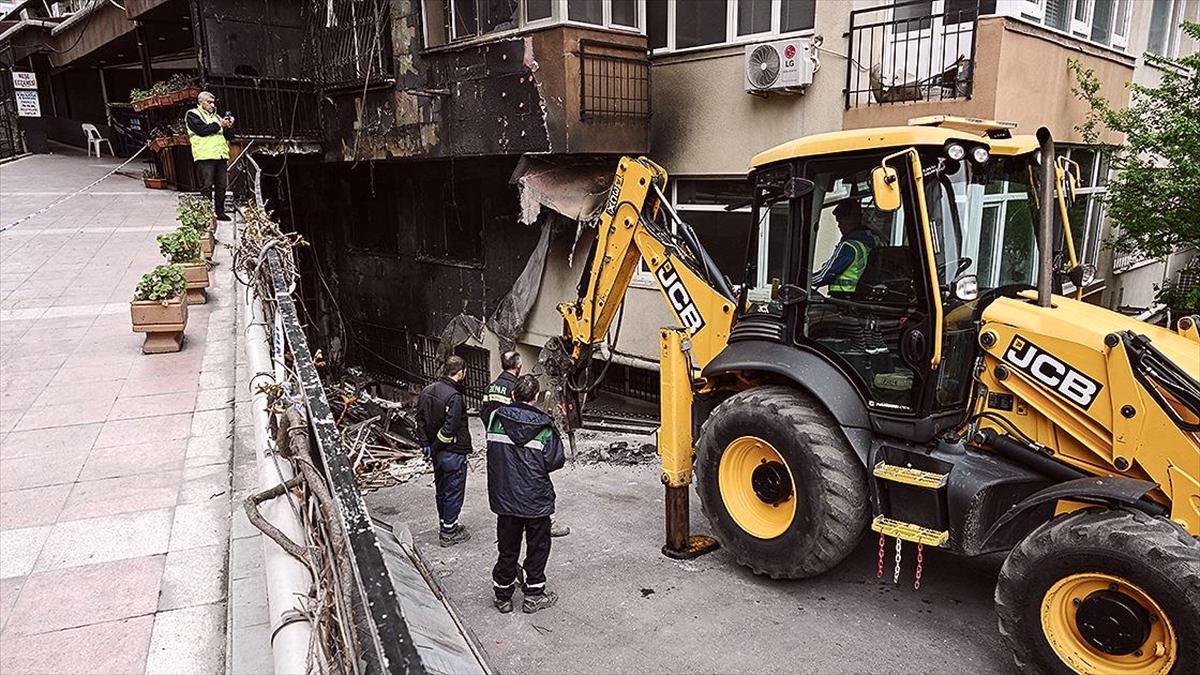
757, 487
1061, 619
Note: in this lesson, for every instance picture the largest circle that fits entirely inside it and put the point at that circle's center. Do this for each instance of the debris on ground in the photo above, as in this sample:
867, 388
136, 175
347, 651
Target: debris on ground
624, 452
378, 427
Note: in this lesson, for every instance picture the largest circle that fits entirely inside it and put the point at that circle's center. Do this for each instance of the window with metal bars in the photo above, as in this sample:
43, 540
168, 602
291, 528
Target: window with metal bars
349, 42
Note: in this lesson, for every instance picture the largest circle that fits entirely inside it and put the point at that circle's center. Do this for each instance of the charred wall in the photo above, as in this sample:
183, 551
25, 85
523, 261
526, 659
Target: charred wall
404, 247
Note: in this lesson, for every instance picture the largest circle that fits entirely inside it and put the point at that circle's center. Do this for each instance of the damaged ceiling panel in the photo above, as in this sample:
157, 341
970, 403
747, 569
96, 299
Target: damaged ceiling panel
572, 187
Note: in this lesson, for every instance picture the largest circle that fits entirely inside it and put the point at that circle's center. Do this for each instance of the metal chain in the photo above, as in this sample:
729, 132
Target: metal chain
879, 569
896, 572
920, 560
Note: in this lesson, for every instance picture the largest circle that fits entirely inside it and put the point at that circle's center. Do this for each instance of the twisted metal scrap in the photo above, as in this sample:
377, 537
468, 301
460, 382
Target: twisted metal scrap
259, 236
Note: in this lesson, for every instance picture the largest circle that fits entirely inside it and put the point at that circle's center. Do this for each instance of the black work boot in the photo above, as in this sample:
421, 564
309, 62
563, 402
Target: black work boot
504, 605
536, 603
454, 536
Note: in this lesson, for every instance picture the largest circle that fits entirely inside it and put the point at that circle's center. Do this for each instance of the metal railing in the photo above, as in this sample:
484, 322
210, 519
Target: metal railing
614, 81
349, 42
268, 108
903, 52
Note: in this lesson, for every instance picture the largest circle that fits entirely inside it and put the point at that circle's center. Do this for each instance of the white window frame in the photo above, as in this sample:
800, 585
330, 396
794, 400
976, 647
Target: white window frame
1095, 193
558, 17
731, 36
1173, 28
1034, 11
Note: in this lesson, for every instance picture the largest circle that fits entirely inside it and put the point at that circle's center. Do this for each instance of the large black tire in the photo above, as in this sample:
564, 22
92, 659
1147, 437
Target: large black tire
831, 484
1153, 554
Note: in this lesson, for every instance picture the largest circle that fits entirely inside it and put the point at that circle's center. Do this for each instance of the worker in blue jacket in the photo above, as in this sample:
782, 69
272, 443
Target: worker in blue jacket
522, 450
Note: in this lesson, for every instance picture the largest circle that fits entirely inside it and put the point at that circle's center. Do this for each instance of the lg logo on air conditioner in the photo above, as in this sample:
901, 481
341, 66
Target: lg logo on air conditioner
1052, 372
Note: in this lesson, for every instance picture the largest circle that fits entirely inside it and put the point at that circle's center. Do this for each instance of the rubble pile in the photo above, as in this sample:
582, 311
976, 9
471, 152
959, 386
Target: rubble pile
378, 431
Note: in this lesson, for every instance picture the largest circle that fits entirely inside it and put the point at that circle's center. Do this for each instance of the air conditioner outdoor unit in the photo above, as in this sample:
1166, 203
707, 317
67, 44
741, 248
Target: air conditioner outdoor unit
781, 66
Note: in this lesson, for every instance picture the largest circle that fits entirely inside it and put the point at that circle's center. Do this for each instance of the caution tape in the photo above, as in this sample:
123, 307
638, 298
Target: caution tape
78, 192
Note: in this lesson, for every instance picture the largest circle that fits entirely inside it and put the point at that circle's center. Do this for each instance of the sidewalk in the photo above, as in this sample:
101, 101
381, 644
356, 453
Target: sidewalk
115, 480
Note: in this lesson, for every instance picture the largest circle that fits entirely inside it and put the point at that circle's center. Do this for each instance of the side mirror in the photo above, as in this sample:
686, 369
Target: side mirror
797, 187
790, 294
885, 188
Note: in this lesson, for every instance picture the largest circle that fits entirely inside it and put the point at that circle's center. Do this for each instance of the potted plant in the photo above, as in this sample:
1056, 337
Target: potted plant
153, 179
158, 309
182, 247
196, 212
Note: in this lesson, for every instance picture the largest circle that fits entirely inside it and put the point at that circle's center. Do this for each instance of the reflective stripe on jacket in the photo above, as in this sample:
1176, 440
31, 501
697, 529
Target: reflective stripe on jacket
211, 146
522, 450
847, 281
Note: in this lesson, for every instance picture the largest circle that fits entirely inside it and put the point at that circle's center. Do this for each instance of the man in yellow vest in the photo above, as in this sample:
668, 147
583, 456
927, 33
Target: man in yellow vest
209, 136
844, 268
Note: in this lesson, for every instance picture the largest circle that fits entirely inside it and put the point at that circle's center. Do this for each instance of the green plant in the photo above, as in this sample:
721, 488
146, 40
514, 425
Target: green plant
195, 211
151, 173
1155, 192
180, 247
164, 283
136, 95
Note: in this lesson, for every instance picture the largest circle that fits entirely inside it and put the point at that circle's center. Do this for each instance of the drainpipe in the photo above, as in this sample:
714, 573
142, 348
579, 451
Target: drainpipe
287, 578
1046, 222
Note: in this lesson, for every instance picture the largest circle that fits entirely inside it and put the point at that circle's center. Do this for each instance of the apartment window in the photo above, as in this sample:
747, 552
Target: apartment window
701, 203
586, 11
716, 22
459, 20
1166, 17
1087, 211
1104, 22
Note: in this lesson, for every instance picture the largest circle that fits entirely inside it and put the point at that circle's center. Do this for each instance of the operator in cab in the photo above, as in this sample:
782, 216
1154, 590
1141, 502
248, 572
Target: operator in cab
845, 267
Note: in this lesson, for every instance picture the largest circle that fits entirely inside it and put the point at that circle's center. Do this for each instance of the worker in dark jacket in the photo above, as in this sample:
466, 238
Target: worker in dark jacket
442, 420
499, 393
522, 449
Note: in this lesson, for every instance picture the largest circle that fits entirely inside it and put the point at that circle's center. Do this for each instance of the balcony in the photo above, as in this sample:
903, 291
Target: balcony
905, 65
561, 89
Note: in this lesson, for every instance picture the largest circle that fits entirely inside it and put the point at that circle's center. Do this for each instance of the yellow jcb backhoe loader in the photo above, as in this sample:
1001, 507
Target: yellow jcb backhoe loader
942, 392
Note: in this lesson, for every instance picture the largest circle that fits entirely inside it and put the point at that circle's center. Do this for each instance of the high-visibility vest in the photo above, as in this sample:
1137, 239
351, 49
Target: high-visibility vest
207, 147
847, 281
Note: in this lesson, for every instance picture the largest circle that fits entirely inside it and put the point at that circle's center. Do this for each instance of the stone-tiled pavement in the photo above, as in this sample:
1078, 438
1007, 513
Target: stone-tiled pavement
115, 484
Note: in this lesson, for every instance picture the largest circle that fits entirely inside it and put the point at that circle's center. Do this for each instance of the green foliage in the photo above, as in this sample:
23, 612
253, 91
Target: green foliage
172, 84
164, 283
1154, 197
180, 247
1171, 295
195, 212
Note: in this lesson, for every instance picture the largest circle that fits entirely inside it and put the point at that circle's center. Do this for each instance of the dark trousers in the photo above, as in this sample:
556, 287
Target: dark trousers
509, 530
212, 174
450, 480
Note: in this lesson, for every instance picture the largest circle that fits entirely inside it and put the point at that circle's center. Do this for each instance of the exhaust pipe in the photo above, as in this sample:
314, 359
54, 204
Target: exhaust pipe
1046, 223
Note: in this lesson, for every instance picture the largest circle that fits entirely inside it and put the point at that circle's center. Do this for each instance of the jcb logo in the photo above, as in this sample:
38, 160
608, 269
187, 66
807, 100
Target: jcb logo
680, 299
1048, 370
614, 195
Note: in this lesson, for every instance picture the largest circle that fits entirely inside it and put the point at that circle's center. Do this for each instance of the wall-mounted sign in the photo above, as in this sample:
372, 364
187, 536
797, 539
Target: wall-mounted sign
28, 104
22, 80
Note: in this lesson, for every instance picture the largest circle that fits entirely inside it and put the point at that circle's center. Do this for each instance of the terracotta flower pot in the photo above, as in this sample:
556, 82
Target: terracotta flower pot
162, 322
155, 183
207, 244
197, 281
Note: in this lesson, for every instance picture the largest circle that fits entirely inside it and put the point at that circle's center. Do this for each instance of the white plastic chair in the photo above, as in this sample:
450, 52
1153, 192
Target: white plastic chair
94, 139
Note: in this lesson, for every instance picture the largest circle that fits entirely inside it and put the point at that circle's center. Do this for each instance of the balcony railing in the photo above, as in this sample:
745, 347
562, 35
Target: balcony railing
903, 52
267, 108
614, 81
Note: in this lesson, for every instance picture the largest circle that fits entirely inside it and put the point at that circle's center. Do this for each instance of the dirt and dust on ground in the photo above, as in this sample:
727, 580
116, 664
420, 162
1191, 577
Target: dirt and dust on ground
624, 607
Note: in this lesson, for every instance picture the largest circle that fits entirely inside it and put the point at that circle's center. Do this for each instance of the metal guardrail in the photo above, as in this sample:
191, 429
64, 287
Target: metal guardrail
614, 81
902, 52
385, 643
